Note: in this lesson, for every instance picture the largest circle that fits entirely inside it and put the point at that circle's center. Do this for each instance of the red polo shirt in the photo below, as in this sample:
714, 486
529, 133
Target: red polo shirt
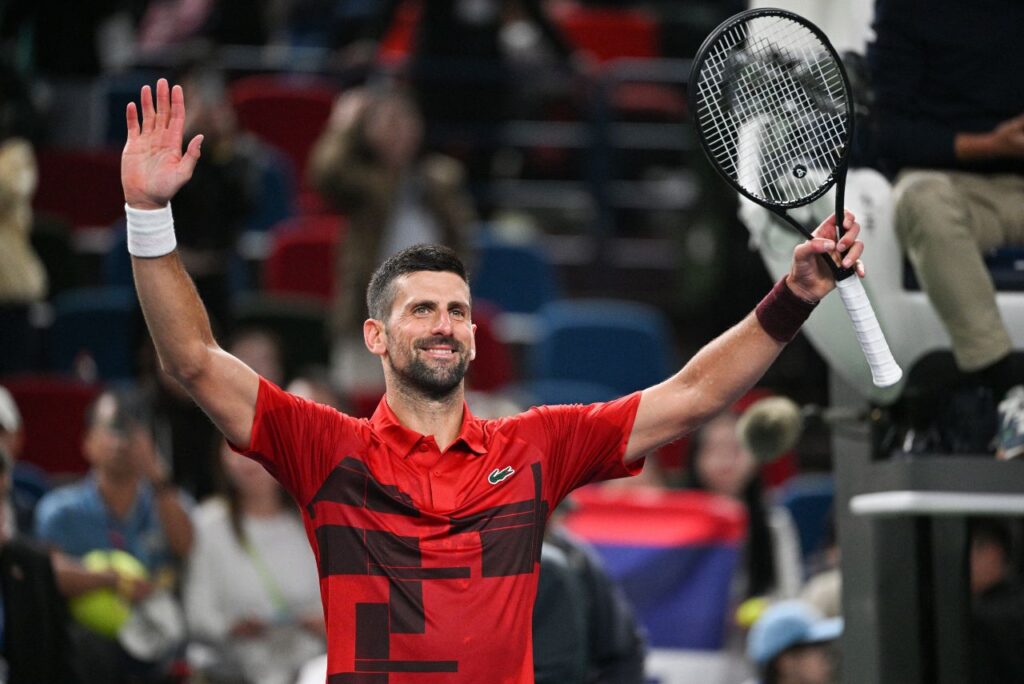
428, 560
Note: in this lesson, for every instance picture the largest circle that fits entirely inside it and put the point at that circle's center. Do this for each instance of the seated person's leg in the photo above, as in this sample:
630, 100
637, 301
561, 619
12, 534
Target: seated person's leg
945, 224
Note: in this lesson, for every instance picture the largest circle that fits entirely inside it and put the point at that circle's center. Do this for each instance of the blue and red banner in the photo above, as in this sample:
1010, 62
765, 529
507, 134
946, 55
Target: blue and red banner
672, 552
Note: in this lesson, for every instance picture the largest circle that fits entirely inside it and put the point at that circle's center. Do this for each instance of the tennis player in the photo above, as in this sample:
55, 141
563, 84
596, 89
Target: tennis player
426, 522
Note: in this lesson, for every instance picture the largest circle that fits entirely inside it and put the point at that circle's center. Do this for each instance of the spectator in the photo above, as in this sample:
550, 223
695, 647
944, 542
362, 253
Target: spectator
35, 647
21, 502
721, 464
459, 66
791, 644
126, 502
251, 591
368, 165
22, 275
215, 209
950, 131
997, 606
613, 645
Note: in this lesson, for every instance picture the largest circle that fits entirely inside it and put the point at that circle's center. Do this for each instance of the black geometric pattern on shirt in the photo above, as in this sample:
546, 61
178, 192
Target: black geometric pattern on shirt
348, 550
511, 534
351, 484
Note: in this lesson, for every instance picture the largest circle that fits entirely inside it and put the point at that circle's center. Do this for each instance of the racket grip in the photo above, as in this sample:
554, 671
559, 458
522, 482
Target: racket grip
884, 370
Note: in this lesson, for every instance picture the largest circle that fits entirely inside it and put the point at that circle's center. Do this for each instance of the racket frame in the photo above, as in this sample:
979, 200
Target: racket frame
836, 178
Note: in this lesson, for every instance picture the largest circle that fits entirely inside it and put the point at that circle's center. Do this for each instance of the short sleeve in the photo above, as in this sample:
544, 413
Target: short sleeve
299, 441
586, 443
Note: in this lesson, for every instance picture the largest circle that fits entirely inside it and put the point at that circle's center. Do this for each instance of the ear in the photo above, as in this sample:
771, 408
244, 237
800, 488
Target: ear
472, 349
374, 336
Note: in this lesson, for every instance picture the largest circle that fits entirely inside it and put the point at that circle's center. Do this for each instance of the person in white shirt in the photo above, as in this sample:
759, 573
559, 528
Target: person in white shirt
252, 593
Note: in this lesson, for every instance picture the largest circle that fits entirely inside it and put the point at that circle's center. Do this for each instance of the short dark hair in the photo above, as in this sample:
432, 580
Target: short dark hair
380, 294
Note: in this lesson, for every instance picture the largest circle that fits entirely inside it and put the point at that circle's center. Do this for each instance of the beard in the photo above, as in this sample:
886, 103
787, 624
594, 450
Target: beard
436, 382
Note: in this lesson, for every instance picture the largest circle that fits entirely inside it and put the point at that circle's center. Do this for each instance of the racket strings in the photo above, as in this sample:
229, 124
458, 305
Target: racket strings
776, 74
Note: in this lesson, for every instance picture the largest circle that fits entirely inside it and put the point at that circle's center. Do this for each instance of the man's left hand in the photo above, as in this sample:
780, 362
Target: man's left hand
809, 278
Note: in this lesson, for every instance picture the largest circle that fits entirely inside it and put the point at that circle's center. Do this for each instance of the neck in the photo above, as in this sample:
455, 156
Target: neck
440, 417
118, 492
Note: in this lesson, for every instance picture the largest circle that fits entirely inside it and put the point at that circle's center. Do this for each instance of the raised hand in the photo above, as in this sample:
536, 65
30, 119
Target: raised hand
153, 167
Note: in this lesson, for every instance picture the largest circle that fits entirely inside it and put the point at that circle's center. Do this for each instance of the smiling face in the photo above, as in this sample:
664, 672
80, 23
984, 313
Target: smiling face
427, 341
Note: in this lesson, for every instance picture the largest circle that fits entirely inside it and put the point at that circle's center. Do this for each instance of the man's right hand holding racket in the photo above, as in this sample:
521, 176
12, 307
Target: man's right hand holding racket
809, 278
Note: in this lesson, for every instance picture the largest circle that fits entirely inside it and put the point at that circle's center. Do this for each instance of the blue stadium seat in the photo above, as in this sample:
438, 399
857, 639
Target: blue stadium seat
623, 345
104, 323
809, 500
519, 278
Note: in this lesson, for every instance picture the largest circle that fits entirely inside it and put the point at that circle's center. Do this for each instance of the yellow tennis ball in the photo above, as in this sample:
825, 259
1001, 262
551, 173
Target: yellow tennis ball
751, 609
104, 611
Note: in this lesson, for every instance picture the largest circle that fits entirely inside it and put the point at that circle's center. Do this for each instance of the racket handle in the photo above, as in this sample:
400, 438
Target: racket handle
884, 370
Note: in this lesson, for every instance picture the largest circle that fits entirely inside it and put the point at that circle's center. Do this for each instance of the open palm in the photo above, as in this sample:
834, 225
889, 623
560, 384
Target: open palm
153, 167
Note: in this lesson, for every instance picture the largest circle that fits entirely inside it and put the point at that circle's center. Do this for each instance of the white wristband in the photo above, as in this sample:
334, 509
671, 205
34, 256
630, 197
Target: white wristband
150, 232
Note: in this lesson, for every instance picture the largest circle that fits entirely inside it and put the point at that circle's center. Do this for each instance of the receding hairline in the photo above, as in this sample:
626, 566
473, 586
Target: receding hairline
391, 290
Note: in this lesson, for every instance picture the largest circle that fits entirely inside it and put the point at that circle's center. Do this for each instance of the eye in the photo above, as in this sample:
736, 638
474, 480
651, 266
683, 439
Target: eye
421, 309
458, 313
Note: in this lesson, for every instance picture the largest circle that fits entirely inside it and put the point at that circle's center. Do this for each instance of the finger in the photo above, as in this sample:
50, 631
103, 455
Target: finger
188, 162
131, 116
854, 253
163, 104
809, 248
177, 125
849, 236
860, 268
148, 112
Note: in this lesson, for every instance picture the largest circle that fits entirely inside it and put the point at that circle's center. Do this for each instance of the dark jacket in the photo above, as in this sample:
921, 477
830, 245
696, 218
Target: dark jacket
942, 67
36, 643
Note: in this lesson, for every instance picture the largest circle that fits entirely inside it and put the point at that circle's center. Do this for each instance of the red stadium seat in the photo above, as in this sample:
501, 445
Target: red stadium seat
494, 370
53, 414
301, 259
82, 187
608, 33
287, 112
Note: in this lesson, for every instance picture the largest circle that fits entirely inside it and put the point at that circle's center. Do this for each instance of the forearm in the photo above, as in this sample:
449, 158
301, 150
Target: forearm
174, 520
175, 316
726, 368
73, 579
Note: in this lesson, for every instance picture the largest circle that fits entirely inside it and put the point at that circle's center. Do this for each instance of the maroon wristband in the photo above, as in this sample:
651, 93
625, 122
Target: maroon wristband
781, 313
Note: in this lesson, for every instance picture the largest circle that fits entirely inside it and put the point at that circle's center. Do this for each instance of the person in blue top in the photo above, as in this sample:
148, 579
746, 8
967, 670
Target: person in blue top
126, 501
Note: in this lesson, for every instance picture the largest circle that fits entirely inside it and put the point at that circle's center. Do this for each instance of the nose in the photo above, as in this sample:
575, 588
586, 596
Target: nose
442, 324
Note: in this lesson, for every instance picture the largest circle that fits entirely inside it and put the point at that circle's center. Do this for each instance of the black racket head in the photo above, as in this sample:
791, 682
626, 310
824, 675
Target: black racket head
771, 104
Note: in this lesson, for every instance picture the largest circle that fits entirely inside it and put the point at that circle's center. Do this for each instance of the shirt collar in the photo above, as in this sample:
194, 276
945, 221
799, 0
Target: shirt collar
403, 440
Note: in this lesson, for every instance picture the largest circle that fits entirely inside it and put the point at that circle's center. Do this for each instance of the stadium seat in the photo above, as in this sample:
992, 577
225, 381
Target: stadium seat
101, 323
518, 277
621, 344
608, 33
301, 258
494, 369
83, 187
288, 112
809, 500
53, 412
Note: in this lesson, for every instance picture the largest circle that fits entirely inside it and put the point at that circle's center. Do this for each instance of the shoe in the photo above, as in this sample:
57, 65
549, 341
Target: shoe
1010, 437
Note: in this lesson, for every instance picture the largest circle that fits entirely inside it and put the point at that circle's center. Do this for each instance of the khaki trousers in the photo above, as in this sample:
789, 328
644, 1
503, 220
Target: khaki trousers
946, 221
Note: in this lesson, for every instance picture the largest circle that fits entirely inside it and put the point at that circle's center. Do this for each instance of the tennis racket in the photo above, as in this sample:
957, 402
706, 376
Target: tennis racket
772, 107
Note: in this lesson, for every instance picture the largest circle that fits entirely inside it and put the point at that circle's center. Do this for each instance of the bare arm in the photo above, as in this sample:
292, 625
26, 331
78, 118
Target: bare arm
731, 363
153, 168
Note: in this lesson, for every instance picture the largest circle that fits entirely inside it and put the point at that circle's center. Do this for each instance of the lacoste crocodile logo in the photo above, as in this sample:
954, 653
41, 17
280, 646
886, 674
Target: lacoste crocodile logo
498, 476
